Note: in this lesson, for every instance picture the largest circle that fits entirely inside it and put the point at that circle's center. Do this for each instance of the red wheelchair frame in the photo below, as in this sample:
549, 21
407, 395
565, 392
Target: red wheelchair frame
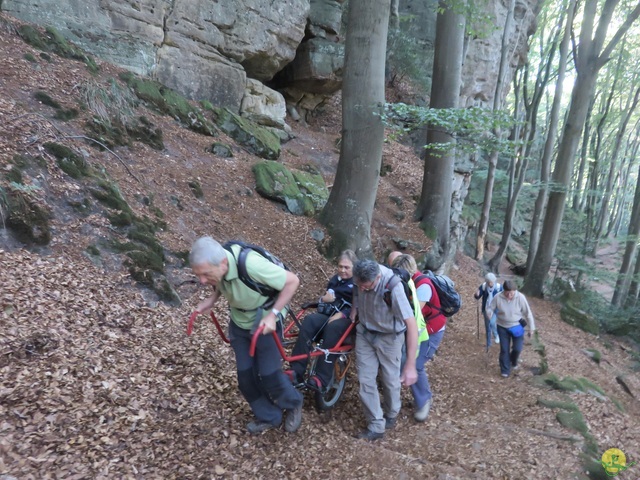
329, 396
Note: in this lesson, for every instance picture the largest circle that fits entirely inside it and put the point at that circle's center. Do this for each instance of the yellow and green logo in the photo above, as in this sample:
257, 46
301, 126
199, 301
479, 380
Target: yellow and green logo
614, 461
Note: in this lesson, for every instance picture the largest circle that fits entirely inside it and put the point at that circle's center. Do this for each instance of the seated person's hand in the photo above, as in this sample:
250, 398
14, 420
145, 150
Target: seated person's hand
329, 297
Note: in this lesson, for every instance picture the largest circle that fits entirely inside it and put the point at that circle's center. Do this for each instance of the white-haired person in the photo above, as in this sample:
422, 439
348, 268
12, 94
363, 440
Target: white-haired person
261, 380
489, 289
513, 317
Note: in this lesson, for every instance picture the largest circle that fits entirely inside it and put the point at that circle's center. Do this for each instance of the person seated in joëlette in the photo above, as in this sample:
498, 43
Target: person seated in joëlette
328, 324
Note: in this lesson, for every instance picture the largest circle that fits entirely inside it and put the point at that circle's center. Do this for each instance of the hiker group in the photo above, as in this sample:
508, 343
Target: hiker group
401, 316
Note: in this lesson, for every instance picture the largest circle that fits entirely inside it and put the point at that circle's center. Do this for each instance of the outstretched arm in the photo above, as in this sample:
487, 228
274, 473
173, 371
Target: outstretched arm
409, 374
207, 304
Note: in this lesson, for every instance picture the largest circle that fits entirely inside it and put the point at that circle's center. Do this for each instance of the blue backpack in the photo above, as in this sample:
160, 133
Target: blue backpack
450, 301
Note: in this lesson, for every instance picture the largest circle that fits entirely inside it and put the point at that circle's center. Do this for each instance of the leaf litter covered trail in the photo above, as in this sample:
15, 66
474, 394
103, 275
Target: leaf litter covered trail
96, 381
97, 385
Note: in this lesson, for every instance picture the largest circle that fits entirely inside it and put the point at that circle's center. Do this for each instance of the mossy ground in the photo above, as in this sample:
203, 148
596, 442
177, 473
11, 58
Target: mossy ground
169, 102
53, 42
69, 162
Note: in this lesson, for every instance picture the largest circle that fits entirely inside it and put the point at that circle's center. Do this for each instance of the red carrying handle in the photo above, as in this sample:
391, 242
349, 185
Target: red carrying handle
254, 340
192, 319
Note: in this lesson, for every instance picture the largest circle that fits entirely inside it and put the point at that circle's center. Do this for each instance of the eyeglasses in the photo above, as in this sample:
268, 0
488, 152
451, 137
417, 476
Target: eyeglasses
369, 286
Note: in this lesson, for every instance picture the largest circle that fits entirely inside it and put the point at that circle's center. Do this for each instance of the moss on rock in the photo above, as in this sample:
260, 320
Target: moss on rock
196, 189
312, 185
255, 138
221, 150
275, 182
169, 102
52, 41
26, 216
579, 318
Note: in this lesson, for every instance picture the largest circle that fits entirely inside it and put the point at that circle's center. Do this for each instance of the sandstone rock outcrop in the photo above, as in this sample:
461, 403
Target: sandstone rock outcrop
203, 48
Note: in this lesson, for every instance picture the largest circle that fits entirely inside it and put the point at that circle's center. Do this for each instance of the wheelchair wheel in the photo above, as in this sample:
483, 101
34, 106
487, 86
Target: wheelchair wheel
328, 399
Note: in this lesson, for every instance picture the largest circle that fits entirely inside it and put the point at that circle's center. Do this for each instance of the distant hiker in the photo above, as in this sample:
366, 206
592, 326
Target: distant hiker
513, 315
379, 339
421, 390
489, 289
260, 378
329, 323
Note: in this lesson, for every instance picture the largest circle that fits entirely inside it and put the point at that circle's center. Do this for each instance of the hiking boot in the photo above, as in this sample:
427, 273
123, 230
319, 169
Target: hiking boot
293, 419
515, 367
423, 412
369, 435
390, 422
505, 375
257, 426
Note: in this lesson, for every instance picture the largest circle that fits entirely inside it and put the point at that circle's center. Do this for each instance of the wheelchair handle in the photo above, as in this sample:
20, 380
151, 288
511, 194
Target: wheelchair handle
254, 340
192, 319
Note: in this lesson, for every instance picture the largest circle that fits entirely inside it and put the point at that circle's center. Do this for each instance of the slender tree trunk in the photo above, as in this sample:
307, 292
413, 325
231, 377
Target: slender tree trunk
348, 212
634, 288
579, 196
434, 209
630, 251
604, 208
493, 157
552, 130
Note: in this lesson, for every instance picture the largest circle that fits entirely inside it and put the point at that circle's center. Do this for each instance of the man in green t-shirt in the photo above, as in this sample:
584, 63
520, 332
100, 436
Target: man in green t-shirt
260, 378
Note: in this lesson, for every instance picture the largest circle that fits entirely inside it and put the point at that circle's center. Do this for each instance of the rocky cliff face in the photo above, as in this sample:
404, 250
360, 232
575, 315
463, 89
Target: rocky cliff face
203, 48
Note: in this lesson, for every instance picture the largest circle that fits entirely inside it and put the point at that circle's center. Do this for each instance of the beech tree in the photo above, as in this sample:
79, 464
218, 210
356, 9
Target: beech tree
348, 212
493, 157
547, 153
590, 56
434, 208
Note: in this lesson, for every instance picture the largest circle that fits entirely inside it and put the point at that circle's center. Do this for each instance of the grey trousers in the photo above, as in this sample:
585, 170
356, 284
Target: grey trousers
379, 352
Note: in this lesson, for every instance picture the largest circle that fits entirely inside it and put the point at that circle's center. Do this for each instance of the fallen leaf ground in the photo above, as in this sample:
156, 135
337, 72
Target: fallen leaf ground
98, 380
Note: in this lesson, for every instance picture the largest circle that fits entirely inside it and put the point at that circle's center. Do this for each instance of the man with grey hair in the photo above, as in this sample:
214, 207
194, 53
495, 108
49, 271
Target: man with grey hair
380, 335
260, 378
489, 289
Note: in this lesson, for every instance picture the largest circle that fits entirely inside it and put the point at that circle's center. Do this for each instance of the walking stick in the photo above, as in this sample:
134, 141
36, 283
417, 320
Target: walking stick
478, 316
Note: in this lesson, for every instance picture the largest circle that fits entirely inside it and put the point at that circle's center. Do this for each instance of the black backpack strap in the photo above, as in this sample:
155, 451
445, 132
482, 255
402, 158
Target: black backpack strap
243, 274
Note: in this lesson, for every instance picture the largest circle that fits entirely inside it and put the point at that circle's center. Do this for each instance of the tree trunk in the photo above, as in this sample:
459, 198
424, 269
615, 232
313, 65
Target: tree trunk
545, 162
590, 57
348, 212
493, 158
434, 209
630, 251
579, 195
604, 207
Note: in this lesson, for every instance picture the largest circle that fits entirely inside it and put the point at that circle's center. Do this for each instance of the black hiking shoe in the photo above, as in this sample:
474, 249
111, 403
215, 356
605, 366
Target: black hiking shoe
256, 426
369, 436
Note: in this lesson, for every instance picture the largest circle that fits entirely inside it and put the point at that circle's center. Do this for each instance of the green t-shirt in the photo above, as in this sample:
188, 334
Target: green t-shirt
242, 297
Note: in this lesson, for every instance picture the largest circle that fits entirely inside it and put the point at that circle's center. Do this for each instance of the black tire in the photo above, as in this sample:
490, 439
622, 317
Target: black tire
331, 396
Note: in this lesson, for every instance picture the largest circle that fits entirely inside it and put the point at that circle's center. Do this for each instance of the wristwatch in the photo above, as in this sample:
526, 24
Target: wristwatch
275, 311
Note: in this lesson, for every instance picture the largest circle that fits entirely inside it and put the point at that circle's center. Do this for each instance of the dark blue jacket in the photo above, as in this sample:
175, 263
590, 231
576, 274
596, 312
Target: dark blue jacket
343, 290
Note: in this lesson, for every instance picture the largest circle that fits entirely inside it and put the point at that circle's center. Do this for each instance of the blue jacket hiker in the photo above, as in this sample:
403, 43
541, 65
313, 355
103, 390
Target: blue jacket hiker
489, 289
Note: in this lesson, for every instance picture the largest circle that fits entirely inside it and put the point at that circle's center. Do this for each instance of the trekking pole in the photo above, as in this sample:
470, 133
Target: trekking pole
478, 317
